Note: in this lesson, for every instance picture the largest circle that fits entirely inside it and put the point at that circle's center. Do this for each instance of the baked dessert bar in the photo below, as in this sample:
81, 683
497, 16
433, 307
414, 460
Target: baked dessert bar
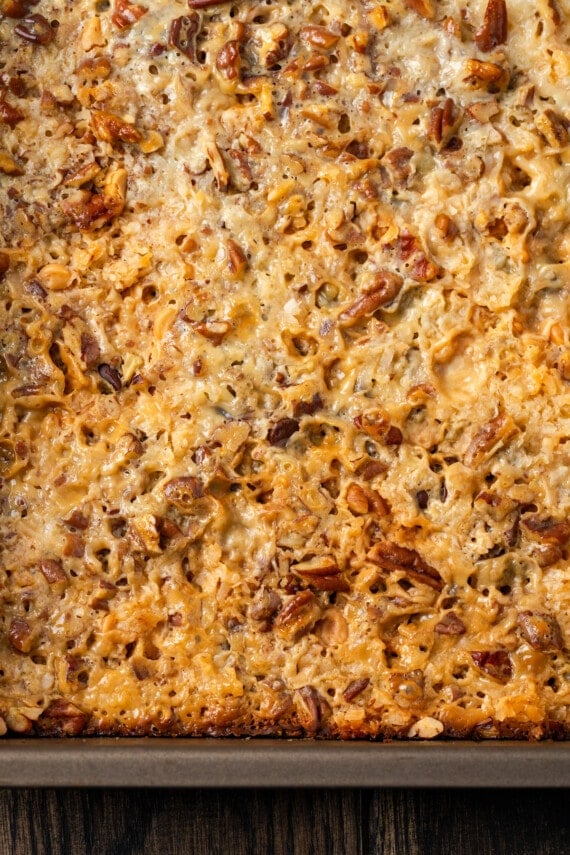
285, 367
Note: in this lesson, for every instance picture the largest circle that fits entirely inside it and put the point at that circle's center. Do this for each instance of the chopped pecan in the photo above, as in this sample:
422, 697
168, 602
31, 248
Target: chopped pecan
355, 688
62, 718
77, 520
540, 630
399, 161
548, 529
184, 491
443, 121
425, 8
182, 34
450, 624
98, 67
52, 571
10, 115
553, 127
318, 37
332, 628
16, 8
9, 166
483, 111
495, 663
111, 128
35, 29
204, 4
322, 573
493, 30
267, 604
227, 60
90, 350
20, 635
237, 259
314, 708
307, 408
126, 13
487, 437
408, 688
214, 331
111, 376
392, 557
487, 75
357, 499
4, 263
281, 431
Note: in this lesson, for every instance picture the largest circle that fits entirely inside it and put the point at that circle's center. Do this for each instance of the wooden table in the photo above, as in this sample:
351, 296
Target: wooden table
248, 822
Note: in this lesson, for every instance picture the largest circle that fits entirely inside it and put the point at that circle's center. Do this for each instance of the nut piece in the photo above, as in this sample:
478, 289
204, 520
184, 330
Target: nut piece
183, 32
425, 8
553, 128
62, 718
496, 663
184, 491
16, 8
10, 115
394, 558
318, 37
298, 615
227, 60
313, 708
282, 431
111, 128
540, 630
53, 571
450, 624
487, 437
383, 289
493, 30
9, 166
20, 635
426, 728
35, 29
355, 688
125, 13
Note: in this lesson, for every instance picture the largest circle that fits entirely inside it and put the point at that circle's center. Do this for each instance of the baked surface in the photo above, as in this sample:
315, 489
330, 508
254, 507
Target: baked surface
286, 365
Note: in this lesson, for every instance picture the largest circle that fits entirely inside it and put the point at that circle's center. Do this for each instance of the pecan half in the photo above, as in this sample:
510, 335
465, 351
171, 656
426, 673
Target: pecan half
62, 718
540, 630
487, 437
496, 663
443, 121
383, 290
394, 558
298, 615
182, 34
493, 30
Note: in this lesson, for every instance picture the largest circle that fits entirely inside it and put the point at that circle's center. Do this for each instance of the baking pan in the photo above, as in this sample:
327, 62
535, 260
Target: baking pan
156, 762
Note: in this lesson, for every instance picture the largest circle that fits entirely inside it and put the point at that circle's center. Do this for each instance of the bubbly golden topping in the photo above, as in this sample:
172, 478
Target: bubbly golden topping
286, 362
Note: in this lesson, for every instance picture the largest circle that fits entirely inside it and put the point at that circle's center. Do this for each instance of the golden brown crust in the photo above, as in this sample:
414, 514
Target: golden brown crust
285, 363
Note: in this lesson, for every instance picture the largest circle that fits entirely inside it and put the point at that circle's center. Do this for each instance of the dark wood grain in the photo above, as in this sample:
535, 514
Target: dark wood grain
307, 822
